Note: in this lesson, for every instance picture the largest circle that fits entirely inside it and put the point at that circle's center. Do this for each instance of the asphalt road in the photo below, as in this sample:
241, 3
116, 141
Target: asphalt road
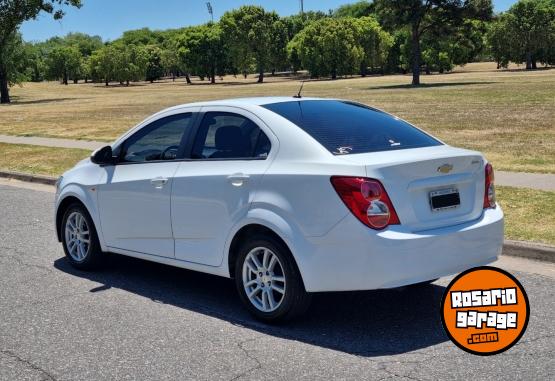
138, 320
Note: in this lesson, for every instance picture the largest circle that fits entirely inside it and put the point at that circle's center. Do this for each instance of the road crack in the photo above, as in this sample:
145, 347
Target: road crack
46, 376
258, 364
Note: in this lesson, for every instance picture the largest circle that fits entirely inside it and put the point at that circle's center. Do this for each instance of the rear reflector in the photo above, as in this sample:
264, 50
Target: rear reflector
367, 200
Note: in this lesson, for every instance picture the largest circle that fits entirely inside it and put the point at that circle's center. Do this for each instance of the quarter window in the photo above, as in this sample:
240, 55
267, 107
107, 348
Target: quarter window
224, 135
161, 140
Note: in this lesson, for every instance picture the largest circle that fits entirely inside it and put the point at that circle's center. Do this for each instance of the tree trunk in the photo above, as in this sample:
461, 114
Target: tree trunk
64, 80
528, 61
363, 69
534, 63
75, 80
127, 83
273, 72
107, 82
4, 88
415, 56
245, 75
188, 79
261, 76
213, 75
334, 73
173, 77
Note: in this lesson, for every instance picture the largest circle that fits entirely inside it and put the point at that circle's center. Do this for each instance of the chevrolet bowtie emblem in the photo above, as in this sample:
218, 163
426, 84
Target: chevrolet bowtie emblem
445, 168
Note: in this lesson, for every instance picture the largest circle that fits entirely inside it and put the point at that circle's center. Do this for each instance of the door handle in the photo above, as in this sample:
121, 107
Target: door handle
159, 182
238, 179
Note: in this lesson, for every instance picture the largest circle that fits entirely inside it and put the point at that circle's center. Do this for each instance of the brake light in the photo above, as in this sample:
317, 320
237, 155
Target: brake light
367, 200
489, 192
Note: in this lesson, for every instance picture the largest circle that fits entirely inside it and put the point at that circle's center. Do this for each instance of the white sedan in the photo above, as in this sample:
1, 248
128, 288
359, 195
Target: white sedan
288, 196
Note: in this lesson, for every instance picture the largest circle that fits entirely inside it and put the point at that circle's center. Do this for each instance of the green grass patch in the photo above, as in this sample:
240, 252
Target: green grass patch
39, 160
529, 214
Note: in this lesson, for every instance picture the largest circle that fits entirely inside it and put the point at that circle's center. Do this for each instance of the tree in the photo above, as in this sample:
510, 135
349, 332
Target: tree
171, 61
297, 22
83, 42
329, 47
278, 47
202, 48
375, 43
103, 64
14, 55
526, 33
249, 31
12, 15
499, 42
423, 16
63, 62
154, 68
358, 9
531, 25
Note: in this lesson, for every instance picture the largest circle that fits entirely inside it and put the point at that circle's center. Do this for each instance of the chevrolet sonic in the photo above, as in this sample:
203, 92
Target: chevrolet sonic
287, 196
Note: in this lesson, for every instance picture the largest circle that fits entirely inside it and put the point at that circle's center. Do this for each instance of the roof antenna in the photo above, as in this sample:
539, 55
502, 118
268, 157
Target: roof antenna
298, 96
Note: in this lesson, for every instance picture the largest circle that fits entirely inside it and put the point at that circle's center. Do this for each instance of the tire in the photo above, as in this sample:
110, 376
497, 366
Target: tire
292, 303
81, 254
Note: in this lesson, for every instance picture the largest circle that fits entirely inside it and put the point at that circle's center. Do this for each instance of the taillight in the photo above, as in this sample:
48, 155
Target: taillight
367, 200
489, 192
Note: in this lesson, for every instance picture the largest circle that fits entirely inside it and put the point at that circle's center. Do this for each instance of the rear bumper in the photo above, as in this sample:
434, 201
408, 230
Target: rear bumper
354, 257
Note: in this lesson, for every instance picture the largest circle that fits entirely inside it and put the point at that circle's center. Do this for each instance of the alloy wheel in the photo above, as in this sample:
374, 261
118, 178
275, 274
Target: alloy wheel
264, 279
77, 236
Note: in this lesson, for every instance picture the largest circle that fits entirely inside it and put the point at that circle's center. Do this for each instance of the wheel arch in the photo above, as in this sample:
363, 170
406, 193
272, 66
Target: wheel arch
261, 227
63, 205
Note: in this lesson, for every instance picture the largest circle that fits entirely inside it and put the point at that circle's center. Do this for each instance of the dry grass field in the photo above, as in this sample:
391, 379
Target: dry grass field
509, 115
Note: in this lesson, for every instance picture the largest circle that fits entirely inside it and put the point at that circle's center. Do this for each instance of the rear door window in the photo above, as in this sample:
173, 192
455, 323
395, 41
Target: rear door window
348, 128
225, 135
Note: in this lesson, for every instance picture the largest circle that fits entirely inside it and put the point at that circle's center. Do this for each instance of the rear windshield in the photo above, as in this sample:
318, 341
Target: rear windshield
349, 128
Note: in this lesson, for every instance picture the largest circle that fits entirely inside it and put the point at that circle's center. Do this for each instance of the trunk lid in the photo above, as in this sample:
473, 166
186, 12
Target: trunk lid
410, 176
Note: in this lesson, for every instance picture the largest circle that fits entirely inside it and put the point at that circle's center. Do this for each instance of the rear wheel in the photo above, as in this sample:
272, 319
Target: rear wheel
80, 240
268, 280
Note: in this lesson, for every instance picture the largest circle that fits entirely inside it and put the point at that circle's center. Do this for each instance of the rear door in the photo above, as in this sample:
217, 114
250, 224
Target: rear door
213, 190
135, 196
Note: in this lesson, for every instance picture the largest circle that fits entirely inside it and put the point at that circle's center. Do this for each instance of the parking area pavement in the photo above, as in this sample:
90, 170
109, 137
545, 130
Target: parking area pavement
140, 320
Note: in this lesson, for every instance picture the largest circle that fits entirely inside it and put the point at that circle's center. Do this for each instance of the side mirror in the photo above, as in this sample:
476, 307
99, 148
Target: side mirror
103, 156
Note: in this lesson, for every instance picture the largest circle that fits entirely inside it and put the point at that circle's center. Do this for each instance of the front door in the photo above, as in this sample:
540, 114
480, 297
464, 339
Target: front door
213, 190
134, 200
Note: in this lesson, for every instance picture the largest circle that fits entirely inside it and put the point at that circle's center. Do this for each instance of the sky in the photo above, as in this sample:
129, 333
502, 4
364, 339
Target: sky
110, 18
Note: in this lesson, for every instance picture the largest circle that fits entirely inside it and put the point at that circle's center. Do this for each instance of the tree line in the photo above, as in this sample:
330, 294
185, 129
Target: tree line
383, 36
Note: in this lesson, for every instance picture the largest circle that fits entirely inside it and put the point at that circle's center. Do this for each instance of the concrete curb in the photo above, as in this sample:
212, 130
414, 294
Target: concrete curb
40, 179
529, 250
511, 248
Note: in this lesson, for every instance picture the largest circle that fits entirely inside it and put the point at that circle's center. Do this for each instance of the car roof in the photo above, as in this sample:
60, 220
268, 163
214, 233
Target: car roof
249, 101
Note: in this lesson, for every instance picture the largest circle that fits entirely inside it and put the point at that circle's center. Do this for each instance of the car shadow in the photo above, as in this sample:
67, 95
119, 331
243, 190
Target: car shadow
369, 323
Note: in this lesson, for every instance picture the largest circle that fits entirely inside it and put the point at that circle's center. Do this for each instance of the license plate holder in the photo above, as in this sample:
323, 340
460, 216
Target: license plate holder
444, 199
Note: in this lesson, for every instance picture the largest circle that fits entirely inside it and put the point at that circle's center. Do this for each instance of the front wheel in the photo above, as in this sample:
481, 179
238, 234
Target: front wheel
268, 281
80, 239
